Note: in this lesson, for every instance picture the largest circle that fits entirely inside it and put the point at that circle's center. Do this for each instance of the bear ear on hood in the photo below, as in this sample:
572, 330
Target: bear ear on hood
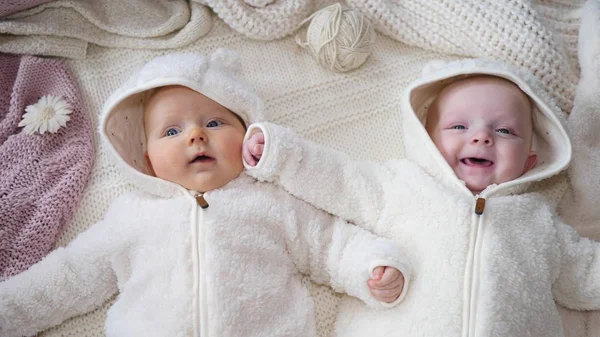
433, 67
226, 59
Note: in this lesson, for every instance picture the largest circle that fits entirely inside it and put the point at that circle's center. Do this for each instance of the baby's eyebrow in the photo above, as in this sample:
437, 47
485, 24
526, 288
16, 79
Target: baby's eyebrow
163, 124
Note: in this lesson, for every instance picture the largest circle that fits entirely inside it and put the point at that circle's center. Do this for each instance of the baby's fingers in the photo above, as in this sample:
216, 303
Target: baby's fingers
378, 273
257, 150
390, 275
248, 156
389, 280
387, 295
256, 143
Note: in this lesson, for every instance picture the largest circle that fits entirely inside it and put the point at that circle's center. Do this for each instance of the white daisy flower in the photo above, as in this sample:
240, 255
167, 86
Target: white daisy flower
48, 114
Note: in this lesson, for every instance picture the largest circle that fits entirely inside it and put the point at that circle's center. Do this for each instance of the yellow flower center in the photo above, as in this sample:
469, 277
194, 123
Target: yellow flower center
47, 113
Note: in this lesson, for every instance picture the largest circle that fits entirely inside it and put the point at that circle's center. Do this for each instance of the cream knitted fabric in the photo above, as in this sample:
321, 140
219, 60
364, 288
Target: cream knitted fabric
356, 113
540, 36
510, 30
262, 19
139, 24
563, 18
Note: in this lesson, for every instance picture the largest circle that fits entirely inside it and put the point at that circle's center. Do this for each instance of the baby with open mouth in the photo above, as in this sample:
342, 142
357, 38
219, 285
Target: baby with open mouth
489, 256
482, 126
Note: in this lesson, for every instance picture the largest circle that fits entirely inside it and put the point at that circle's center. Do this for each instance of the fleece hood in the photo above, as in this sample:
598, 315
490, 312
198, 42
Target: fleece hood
216, 76
551, 140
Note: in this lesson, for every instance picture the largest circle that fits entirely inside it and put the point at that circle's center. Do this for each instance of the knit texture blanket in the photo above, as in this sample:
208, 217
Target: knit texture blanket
354, 112
10, 7
65, 27
42, 175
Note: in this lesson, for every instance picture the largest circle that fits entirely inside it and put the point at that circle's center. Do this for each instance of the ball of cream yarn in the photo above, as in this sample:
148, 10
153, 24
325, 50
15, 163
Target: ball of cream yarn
340, 39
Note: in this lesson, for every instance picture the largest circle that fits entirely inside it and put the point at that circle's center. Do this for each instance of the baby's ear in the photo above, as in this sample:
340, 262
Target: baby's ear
530, 162
149, 165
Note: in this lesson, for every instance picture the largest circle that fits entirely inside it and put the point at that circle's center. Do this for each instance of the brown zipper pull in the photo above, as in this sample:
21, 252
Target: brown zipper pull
201, 201
479, 206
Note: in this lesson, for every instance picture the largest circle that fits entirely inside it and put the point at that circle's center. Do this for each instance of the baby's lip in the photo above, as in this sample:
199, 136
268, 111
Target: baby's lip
477, 162
201, 157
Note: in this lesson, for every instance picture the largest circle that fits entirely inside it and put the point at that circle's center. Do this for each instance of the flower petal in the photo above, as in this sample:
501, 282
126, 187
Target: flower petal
29, 129
61, 104
52, 100
32, 109
53, 125
29, 117
43, 126
26, 121
29, 114
62, 119
63, 112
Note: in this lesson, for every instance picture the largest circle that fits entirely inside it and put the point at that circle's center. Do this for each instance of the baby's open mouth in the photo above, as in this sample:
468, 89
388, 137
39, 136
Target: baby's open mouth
201, 159
472, 161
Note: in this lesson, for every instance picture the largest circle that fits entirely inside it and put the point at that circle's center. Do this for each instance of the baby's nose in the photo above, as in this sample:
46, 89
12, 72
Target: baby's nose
482, 137
196, 135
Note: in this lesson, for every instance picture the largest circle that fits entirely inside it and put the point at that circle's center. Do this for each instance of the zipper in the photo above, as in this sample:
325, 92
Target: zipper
201, 201
200, 320
473, 266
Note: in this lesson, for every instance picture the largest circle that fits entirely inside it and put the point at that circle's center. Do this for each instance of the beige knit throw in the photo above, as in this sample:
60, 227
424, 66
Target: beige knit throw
65, 27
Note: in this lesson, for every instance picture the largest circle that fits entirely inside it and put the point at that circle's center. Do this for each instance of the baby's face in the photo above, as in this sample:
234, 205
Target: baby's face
192, 140
483, 128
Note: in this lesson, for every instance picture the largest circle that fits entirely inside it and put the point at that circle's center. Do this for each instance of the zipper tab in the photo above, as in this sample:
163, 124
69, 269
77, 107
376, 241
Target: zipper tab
479, 206
201, 201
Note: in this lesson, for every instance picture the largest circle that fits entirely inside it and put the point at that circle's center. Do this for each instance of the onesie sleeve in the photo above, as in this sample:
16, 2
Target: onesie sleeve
69, 281
578, 284
323, 177
332, 251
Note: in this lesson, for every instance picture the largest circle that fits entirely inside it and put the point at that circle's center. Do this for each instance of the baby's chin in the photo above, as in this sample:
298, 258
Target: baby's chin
476, 186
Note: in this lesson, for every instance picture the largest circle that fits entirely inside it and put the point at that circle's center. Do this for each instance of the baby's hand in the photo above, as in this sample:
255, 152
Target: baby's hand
253, 148
387, 284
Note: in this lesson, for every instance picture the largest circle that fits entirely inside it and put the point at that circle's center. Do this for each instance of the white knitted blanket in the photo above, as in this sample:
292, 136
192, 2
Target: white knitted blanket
354, 112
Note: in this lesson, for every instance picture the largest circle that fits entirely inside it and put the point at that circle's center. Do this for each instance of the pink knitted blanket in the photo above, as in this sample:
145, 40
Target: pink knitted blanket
42, 176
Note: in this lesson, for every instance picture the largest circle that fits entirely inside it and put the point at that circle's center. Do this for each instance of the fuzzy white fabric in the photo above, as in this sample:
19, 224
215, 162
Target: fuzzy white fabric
579, 205
232, 269
65, 27
355, 113
494, 274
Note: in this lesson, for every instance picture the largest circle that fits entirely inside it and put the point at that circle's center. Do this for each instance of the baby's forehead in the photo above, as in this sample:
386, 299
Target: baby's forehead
476, 81
170, 100
176, 101
491, 88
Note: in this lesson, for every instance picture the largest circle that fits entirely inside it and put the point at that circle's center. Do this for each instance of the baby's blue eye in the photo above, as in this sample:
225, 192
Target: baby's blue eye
172, 132
213, 124
458, 127
503, 130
